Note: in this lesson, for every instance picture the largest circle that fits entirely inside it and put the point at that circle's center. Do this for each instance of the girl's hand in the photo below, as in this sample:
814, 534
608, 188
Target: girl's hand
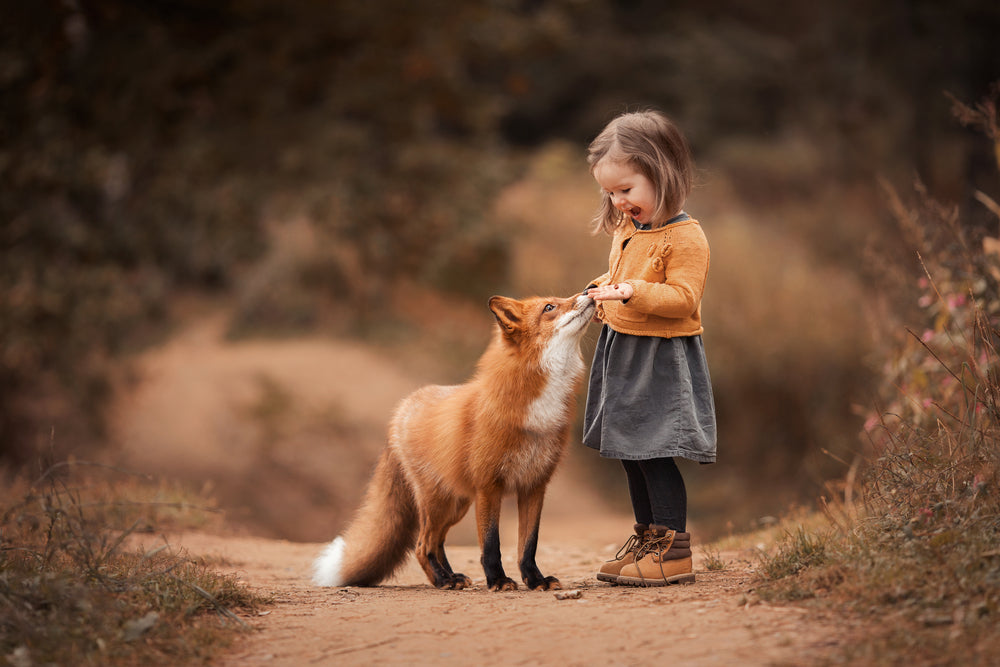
615, 292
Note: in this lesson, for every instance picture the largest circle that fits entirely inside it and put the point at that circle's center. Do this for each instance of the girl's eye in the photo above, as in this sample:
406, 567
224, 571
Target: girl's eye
549, 306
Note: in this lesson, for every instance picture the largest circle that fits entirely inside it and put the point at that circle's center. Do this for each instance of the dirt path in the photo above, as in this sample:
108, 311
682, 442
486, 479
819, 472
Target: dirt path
409, 622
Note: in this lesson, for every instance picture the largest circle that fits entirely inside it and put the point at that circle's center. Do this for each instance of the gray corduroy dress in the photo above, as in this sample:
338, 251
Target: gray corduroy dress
650, 397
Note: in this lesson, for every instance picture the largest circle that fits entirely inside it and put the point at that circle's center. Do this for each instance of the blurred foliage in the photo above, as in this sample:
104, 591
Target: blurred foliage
144, 145
935, 436
788, 347
916, 525
151, 148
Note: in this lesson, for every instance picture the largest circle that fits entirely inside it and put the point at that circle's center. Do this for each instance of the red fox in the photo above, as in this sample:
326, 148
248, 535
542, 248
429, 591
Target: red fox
501, 432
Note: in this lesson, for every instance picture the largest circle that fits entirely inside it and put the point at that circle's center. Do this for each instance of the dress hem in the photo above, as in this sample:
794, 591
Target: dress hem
645, 456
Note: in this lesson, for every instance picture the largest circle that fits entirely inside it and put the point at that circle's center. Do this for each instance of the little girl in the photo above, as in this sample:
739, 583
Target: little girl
650, 396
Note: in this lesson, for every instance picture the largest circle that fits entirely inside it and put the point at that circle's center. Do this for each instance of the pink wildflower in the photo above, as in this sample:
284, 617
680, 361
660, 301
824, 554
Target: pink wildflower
871, 423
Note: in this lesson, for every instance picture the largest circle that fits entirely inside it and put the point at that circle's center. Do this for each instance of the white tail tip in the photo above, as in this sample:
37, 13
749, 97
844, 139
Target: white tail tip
326, 568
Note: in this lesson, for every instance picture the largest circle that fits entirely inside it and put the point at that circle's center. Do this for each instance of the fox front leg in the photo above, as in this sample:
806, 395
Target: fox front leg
488, 524
529, 511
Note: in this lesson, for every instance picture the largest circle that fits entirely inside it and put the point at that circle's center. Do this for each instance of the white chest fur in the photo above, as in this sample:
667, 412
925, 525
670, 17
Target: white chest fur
562, 365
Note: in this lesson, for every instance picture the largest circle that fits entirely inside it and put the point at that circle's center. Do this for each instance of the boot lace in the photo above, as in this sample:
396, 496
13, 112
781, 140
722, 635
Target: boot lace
633, 543
658, 544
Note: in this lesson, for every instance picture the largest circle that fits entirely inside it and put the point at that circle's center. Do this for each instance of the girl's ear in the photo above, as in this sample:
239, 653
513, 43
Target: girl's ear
508, 313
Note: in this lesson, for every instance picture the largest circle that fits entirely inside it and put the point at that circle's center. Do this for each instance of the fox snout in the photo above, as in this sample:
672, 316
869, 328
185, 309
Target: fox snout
585, 303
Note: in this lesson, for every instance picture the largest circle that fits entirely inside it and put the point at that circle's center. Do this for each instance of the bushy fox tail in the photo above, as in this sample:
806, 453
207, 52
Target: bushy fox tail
383, 531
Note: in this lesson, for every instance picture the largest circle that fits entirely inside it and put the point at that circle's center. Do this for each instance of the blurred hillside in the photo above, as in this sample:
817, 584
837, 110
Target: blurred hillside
374, 171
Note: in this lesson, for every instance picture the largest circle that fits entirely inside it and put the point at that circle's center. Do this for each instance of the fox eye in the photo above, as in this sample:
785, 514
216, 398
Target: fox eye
549, 307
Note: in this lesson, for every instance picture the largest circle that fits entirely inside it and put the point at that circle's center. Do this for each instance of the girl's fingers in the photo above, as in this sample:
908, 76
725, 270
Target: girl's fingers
617, 292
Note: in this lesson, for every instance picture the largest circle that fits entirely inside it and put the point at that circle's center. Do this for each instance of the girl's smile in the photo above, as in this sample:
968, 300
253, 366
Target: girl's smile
630, 191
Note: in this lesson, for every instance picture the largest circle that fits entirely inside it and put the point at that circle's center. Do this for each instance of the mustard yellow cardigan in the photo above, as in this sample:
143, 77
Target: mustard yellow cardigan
667, 268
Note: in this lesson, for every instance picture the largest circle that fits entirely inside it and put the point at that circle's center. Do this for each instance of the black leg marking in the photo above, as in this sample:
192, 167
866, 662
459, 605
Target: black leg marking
530, 574
444, 559
456, 580
496, 578
444, 577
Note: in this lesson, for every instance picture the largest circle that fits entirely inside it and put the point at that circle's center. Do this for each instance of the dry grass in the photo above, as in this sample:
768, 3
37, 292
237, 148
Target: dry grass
912, 543
72, 593
713, 560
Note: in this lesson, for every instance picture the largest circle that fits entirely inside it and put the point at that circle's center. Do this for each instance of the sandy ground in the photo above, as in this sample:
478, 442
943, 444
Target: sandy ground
716, 621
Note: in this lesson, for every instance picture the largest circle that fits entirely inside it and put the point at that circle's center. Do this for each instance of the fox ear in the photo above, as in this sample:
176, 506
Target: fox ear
508, 313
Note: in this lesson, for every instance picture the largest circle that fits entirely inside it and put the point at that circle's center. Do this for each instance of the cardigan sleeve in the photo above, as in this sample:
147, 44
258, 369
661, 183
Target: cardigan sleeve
680, 293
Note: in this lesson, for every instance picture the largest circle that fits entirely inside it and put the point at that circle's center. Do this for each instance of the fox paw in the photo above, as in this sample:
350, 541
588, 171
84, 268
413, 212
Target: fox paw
504, 584
456, 581
546, 584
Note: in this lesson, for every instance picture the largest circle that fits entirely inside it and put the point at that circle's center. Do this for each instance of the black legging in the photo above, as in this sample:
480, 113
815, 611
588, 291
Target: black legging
658, 494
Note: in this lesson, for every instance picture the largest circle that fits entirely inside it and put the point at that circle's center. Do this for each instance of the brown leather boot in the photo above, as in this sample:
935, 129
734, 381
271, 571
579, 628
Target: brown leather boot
625, 556
664, 559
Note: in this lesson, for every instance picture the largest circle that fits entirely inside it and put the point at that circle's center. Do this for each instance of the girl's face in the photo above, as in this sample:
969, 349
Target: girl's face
631, 193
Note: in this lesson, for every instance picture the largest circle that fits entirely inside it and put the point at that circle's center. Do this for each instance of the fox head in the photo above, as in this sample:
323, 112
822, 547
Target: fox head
541, 318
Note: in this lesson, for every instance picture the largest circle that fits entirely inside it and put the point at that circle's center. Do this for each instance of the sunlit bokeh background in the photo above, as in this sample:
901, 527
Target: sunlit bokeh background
234, 234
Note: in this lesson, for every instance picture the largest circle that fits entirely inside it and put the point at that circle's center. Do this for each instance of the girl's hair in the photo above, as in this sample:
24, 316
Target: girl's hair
653, 145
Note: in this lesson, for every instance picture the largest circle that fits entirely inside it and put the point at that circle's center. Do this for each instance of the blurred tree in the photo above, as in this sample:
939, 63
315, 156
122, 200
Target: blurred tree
144, 145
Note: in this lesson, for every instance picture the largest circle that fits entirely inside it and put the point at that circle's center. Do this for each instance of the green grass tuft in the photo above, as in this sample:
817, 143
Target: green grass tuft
713, 561
796, 552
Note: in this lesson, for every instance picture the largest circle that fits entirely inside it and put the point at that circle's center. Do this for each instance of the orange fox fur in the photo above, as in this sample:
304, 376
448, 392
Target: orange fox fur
504, 431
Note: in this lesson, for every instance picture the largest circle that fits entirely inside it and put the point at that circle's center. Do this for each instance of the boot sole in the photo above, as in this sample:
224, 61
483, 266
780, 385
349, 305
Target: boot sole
687, 578
609, 578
